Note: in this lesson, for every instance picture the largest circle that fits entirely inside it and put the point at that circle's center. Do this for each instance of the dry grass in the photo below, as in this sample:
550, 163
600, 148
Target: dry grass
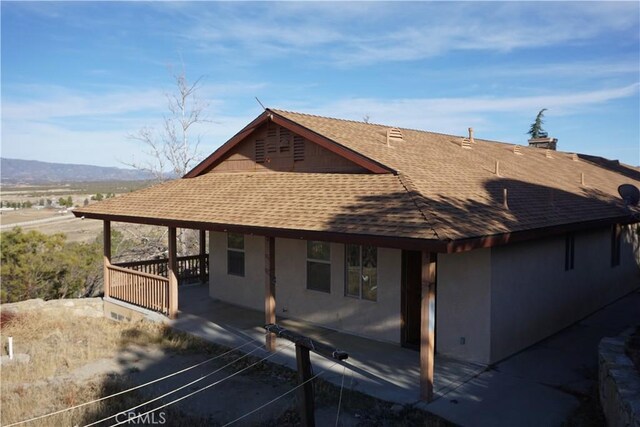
58, 344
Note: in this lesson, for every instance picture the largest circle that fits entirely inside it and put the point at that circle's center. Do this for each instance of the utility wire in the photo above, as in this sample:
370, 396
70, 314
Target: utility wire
340, 398
190, 394
177, 389
281, 396
129, 389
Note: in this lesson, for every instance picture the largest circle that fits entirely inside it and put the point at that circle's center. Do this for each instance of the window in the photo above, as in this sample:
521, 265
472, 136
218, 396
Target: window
615, 245
569, 249
319, 266
235, 254
362, 272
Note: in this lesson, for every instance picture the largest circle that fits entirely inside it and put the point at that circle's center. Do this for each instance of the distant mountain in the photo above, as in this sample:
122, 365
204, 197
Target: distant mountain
16, 171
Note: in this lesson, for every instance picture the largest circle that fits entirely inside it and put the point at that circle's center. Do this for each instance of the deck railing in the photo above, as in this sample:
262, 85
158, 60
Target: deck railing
188, 267
139, 288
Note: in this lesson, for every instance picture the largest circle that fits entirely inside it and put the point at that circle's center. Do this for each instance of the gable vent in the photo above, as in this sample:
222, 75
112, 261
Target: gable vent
259, 151
394, 135
298, 148
285, 140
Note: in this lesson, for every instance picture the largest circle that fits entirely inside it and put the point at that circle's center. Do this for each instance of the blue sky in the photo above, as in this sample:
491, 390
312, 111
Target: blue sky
78, 77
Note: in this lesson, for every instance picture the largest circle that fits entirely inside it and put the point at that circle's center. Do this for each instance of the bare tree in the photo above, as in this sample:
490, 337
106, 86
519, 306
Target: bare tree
174, 149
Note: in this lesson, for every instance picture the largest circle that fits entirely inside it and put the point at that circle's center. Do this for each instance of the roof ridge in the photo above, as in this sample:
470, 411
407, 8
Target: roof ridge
408, 185
276, 110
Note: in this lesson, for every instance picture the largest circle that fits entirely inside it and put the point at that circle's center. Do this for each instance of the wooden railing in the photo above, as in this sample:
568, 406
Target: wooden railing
188, 267
139, 288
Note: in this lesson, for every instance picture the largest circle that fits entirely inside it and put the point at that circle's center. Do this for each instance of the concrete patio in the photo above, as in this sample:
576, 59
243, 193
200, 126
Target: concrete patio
382, 370
541, 385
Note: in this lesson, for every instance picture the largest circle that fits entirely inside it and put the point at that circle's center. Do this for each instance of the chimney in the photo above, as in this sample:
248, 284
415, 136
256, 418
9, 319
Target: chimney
546, 143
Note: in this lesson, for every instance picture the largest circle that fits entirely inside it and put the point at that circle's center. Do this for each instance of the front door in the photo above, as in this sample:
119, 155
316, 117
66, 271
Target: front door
411, 298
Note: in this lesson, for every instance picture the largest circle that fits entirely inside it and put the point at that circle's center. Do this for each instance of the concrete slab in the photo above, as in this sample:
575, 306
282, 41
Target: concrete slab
498, 399
537, 386
382, 370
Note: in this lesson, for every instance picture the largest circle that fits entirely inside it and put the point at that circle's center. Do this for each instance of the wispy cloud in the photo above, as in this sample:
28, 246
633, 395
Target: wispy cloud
366, 33
451, 115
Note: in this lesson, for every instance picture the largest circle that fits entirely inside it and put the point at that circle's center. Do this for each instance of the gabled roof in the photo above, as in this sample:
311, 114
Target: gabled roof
425, 187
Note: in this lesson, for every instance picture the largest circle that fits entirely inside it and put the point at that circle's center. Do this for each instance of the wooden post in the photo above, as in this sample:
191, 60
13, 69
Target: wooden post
303, 346
203, 256
106, 230
270, 289
427, 325
172, 274
305, 393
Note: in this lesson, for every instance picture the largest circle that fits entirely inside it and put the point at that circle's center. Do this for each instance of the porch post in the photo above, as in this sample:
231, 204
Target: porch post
172, 274
203, 256
270, 289
106, 230
427, 325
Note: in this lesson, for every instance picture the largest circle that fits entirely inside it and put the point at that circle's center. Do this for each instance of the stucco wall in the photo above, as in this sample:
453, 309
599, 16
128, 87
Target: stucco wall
247, 291
376, 319
532, 296
379, 320
463, 303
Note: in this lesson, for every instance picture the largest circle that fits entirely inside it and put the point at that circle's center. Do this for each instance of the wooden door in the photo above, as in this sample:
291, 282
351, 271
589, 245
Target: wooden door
411, 293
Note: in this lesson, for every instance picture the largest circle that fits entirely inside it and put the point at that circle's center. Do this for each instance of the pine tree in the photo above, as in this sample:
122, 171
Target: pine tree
536, 130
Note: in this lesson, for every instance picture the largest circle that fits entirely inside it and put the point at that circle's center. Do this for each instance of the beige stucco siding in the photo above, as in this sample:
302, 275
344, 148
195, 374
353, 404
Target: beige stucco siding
247, 291
374, 319
532, 296
463, 328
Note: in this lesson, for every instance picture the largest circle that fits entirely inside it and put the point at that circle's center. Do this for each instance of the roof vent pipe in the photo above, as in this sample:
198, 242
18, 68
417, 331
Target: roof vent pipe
471, 140
497, 170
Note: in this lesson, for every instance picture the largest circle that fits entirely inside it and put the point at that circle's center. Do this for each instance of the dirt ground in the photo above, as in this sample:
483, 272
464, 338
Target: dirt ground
72, 360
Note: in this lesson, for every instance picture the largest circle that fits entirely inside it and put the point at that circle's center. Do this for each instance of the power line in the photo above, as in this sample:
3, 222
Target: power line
281, 396
192, 393
177, 389
129, 389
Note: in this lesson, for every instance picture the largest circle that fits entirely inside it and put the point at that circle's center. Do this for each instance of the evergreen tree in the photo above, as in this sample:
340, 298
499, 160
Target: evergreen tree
536, 130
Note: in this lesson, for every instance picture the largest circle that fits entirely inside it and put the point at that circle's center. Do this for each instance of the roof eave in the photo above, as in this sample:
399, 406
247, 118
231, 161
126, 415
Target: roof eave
407, 243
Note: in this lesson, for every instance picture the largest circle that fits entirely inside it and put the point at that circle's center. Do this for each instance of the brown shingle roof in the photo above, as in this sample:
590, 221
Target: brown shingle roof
459, 191
340, 203
440, 190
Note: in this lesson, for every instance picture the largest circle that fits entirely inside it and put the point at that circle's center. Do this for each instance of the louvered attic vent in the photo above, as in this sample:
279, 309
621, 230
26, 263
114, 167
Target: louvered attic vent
285, 140
259, 151
394, 135
272, 140
298, 148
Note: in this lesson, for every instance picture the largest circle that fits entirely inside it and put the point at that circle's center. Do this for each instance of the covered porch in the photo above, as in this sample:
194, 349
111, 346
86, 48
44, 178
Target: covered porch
154, 285
383, 370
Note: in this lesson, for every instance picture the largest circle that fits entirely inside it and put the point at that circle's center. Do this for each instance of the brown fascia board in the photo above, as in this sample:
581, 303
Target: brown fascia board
464, 245
329, 236
407, 243
218, 155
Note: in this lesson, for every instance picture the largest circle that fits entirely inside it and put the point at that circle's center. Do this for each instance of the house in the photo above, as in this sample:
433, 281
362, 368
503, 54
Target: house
474, 248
